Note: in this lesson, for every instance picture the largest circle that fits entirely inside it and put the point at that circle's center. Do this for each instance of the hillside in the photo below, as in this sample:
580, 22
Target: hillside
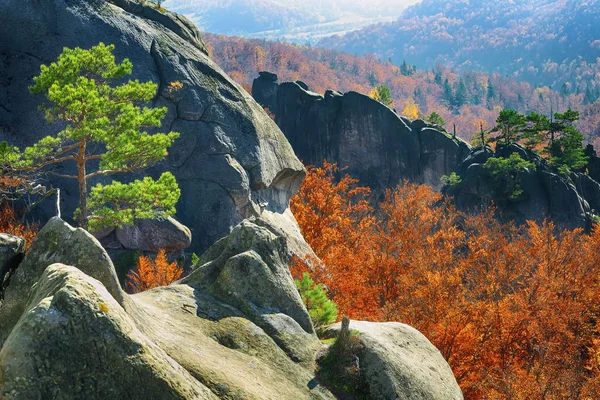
292, 20
547, 42
466, 99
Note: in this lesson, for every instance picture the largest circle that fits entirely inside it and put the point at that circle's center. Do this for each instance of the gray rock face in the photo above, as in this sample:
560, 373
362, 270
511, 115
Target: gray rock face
376, 146
568, 201
75, 341
399, 363
230, 158
57, 242
200, 339
249, 268
154, 235
264, 90
12, 250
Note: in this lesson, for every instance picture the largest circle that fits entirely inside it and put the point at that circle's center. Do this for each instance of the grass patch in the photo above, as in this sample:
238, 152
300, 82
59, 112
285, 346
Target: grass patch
339, 368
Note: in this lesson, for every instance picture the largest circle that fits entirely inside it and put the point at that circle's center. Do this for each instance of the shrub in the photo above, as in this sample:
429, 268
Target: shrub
504, 175
322, 310
451, 180
153, 273
9, 223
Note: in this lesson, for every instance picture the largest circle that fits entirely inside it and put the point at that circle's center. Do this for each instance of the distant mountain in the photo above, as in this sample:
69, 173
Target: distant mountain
464, 100
293, 20
547, 42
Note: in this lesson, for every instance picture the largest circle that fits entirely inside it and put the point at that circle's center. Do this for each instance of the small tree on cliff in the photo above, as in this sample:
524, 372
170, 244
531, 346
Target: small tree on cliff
510, 125
382, 94
103, 134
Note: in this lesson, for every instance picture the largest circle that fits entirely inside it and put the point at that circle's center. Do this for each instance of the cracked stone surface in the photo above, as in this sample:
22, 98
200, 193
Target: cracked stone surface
231, 157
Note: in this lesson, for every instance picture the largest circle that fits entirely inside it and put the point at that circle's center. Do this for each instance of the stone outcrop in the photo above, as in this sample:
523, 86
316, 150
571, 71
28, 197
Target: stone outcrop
12, 250
231, 160
569, 201
234, 328
376, 145
398, 363
75, 341
57, 242
154, 235
264, 90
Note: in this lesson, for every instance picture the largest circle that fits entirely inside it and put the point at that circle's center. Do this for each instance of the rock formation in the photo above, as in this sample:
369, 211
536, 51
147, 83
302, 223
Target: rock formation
376, 145
231, 160
398, 363
12, 250
569, 201
234, 328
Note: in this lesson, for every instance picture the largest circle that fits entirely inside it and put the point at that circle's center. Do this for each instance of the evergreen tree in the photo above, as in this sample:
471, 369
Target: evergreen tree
103, 134
460, 99
537, 130
322, 311
407, 70
491, 94
448, 93
589, 97
437, 77
503, 175
436, 119
382, 94
565, 89
566, 150
510, 126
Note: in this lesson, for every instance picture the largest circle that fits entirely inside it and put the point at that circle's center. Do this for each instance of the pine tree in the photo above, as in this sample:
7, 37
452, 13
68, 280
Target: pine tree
491, 93
510, 126
436, 119
96, 115
322, 311
460, 99
448, 93
566, 150
382, 94
537, 130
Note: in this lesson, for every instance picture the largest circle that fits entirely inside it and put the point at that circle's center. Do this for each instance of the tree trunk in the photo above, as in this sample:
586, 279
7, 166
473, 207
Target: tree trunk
83, 212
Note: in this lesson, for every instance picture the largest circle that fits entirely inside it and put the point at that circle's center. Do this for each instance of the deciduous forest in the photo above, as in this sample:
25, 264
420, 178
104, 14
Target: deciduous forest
513, 310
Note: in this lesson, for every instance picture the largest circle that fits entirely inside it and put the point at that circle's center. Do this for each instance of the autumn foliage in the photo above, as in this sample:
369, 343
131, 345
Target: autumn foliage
153, 273
512, 309
466, 100
10, 223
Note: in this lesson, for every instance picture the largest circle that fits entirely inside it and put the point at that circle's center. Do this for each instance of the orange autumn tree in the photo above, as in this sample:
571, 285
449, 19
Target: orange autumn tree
9, 223
512, 309
153, 273
335, 217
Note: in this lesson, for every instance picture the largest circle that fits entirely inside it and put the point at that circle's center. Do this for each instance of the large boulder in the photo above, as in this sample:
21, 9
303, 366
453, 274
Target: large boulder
57, 242
154, 235
75, 341
249, 269
398, 363
12, 250
230, 158
376, 145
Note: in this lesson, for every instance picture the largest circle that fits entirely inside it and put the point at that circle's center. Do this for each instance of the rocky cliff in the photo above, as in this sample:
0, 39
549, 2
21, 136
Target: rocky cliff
376, 145
231, 160
570, 201
235, 328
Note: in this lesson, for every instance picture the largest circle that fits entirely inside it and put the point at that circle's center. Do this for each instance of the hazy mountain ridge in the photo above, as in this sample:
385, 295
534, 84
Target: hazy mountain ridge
292, 20
544, 41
